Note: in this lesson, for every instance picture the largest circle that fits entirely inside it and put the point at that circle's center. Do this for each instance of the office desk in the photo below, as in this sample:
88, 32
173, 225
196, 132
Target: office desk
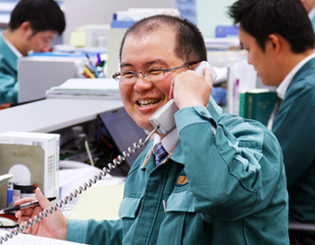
53, 114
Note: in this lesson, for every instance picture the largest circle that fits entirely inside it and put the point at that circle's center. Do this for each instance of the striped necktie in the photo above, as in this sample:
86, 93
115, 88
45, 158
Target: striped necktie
160, 153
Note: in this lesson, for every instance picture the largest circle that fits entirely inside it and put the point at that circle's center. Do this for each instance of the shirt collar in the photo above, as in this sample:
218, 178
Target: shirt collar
311, 14
169, 142
14, 49
282, 89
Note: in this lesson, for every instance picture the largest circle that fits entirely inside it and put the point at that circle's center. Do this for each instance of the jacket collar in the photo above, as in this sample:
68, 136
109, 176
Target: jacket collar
7, 52
295, 74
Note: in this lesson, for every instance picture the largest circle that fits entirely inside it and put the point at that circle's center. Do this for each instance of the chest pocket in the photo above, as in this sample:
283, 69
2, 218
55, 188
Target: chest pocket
129, 207
128, 211
179, 216
181, 200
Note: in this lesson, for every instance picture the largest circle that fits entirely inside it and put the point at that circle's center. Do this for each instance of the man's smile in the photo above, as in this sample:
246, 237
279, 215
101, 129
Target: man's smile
147, 102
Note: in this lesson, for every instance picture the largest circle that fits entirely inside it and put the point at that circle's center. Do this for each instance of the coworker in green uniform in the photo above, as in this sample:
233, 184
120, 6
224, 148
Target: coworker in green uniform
309, 5
279, 38
33, 24
222, 180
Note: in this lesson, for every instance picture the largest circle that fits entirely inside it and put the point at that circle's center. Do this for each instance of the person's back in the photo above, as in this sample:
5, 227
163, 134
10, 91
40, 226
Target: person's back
280, 40
33, 24
294, 126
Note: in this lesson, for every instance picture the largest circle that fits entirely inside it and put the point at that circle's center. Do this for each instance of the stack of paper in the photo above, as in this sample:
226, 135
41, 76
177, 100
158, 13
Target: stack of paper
73, 178
222, 43
23, 239
100, 88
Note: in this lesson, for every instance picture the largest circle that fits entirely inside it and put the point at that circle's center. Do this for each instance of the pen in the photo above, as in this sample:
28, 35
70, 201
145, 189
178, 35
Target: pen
98, 58
93, 66
24, 205
88, 71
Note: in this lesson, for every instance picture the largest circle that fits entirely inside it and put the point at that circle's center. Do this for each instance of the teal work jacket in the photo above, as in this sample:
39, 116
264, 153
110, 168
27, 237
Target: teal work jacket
217, 187
294, 127
8, 74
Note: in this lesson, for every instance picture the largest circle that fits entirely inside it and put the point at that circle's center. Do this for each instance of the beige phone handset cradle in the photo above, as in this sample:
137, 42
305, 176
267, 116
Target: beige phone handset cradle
162, 120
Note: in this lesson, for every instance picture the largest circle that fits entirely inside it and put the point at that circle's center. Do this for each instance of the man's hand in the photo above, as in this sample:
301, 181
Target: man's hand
54, 225
190, 88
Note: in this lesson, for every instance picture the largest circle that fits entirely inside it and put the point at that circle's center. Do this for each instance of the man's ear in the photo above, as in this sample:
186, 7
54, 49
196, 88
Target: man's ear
274, 43
26, 29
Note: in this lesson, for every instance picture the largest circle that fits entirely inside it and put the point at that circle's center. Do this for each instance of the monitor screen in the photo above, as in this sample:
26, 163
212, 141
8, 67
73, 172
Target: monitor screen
123, 130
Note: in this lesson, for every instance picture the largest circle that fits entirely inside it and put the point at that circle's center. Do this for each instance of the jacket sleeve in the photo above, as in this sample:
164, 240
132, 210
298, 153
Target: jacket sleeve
295, 130
95, 232
234, 166
8, 83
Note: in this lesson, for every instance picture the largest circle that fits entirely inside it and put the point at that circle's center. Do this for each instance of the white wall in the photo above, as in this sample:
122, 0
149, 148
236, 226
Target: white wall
82, 12
211, 13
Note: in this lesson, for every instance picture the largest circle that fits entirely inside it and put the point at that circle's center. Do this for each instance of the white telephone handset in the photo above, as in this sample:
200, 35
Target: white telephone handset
163, 118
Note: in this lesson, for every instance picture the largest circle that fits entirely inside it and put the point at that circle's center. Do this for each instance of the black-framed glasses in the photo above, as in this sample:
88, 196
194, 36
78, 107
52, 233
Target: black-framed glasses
151, 74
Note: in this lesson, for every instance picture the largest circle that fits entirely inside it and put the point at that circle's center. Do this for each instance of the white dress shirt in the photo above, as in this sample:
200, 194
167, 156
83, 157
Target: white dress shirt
282, 89
169, 142
14, 49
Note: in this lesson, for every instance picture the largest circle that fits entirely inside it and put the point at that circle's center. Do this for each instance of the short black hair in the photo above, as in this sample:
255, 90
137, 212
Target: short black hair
288, 18
44, 15
190, 46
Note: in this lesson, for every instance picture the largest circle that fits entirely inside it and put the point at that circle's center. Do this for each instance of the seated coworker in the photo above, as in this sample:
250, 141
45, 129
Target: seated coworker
33, 24
309, 5
279, 38
222, 179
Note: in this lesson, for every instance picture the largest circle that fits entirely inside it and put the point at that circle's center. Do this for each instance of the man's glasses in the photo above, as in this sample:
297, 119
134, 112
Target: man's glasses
151, 74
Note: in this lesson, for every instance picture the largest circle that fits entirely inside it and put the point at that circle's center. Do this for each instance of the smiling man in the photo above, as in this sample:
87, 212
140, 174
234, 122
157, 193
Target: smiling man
33, 24
221, 178
279, 38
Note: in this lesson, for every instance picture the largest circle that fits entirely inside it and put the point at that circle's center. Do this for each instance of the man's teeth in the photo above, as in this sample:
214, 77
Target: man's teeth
147, 102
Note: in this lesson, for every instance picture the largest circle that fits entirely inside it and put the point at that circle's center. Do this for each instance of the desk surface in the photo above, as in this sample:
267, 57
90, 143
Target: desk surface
99, 203
53, 114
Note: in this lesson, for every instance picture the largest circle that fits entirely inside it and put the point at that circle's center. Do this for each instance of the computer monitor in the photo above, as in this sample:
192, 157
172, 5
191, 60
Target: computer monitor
123, 130
38, 73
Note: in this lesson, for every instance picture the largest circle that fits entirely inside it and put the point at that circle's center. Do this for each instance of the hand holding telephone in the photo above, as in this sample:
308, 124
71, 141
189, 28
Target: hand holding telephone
163, 118
203, 64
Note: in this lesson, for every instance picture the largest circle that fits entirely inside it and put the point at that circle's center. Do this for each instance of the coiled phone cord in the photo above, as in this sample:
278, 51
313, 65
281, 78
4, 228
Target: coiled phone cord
79, 190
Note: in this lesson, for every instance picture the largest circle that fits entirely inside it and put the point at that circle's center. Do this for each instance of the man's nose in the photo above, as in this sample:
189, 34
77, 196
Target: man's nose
249, 60
45, 48
141, 83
